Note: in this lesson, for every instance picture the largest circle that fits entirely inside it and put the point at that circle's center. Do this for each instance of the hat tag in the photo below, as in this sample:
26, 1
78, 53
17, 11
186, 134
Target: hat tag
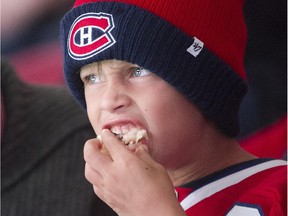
196, 47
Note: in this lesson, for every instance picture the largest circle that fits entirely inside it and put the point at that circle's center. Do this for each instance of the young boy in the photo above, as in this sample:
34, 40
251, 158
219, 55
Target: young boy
173, 69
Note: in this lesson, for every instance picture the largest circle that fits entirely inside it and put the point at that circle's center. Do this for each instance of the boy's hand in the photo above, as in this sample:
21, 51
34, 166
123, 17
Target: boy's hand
130, 183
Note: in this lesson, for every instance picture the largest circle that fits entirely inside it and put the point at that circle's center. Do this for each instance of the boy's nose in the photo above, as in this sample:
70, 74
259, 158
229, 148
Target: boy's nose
114, 97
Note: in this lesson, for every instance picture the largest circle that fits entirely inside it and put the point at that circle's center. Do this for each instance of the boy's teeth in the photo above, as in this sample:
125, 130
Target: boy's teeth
123, 129
116, 130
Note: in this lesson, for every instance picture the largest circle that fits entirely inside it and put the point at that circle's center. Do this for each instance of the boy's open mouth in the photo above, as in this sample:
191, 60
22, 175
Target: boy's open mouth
131, 136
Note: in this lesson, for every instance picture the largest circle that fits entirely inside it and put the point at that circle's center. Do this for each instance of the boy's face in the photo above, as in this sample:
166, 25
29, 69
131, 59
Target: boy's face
121, 95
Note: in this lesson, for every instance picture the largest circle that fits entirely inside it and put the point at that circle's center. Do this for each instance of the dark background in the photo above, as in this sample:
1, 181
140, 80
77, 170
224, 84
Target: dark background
265, 63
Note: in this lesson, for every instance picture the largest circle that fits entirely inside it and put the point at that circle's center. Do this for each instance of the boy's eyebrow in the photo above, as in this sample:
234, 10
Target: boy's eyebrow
94, 67
82, 72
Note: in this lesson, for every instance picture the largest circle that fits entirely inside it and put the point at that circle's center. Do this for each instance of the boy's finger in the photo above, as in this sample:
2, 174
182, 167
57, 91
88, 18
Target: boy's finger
113, 145
92, 175
93, 156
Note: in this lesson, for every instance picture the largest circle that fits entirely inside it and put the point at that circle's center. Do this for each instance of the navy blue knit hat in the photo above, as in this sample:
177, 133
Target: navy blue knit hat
197, 46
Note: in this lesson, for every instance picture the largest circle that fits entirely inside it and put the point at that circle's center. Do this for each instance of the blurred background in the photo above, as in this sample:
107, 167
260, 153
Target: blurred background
31, 184
30, 40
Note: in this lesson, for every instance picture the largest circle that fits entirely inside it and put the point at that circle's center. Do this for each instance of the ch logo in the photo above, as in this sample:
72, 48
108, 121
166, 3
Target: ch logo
90, 34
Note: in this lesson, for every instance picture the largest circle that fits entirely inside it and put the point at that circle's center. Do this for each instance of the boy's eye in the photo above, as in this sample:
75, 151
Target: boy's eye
139, 71
92, 79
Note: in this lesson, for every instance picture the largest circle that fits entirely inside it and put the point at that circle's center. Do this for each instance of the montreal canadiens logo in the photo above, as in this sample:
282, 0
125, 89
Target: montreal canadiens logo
90, 34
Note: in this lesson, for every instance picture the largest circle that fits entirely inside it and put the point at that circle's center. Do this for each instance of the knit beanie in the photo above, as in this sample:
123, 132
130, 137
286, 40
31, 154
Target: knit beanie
197, 46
